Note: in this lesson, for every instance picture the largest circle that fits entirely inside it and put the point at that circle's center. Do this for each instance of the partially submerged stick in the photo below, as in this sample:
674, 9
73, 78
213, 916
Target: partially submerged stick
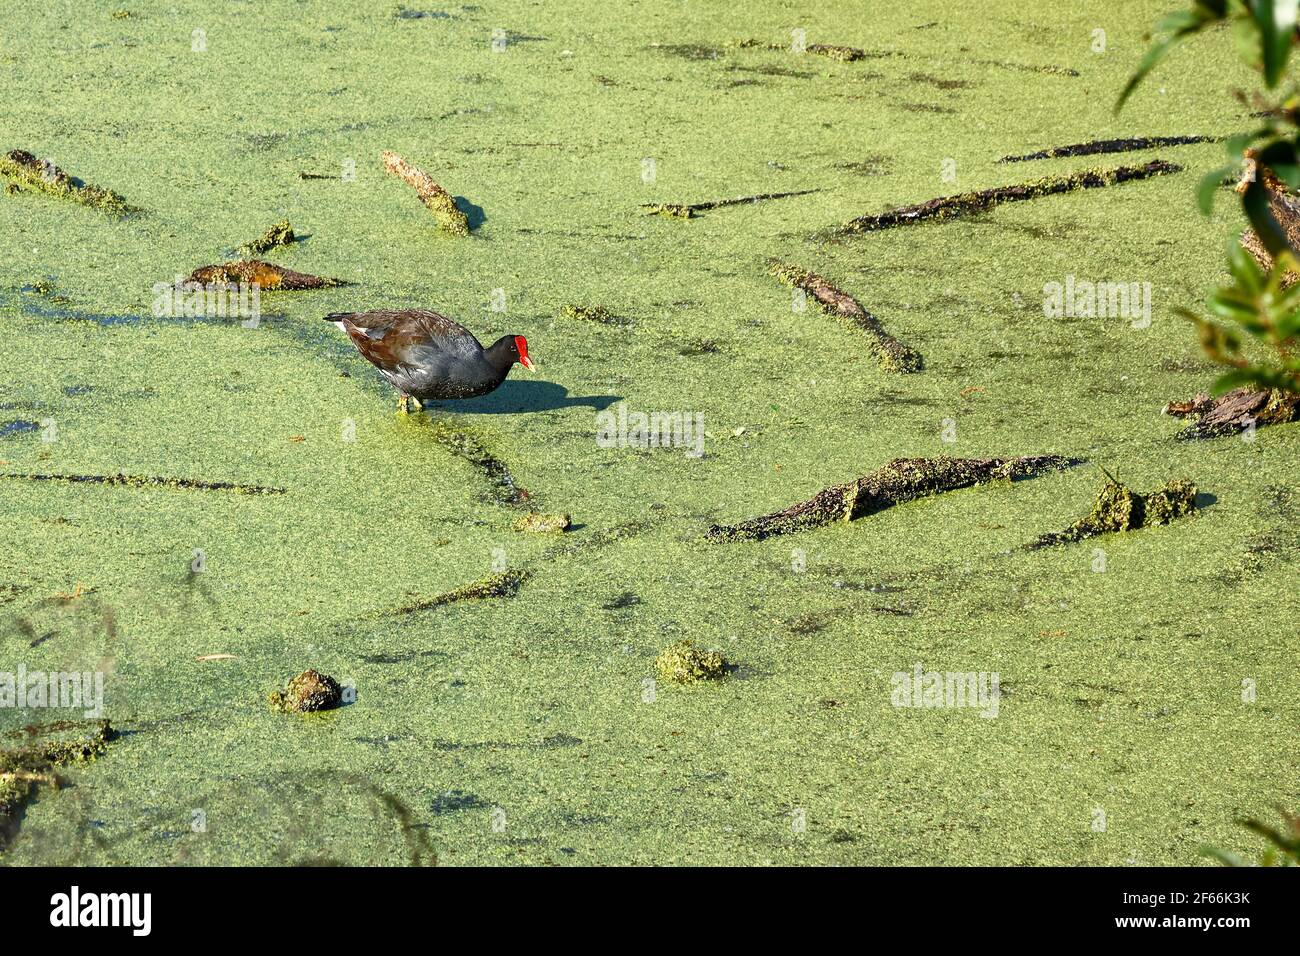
25, 171
264, 275
900, 481
952, 207
435, 198
891, 354
1099, 146
1234, 412
503, 584
688, 211
1119, 509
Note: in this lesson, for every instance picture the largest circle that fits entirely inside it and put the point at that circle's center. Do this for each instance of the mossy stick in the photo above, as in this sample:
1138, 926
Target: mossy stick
891, 354
900, 481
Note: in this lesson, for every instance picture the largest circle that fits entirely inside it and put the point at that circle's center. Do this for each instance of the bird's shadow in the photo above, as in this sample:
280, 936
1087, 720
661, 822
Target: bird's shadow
525, 395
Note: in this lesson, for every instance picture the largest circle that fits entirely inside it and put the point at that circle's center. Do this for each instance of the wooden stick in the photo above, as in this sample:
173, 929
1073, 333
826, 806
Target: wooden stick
435, 198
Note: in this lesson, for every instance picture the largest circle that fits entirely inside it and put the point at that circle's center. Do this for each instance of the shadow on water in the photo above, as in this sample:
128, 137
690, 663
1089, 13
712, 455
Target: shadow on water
525, 395
473, 213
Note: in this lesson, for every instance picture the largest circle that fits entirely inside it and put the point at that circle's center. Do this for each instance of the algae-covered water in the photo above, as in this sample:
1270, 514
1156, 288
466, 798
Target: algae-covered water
1148, 693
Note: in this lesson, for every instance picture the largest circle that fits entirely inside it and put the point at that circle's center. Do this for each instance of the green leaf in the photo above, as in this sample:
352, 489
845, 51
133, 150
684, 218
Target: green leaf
1173, 29
1209, 186
1255, 201
1276, 22
1280, 156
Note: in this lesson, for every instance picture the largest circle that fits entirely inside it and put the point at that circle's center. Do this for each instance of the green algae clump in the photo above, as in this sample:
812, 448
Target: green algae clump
684, 663
281, 234
1118, 508
542, 523
596, 313
310, 691
25, 171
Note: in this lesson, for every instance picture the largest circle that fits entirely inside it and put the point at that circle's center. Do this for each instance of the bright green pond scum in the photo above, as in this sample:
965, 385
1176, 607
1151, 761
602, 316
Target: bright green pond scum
1147, 680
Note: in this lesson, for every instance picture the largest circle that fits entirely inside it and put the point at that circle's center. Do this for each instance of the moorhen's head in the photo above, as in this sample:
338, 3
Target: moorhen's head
508, 350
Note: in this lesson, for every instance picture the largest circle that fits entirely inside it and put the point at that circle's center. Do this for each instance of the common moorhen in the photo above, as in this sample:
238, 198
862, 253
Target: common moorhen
425, 355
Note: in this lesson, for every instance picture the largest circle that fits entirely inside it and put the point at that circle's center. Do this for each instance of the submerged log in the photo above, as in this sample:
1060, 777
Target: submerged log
891, 354
952, 207
900, 481
1234, 412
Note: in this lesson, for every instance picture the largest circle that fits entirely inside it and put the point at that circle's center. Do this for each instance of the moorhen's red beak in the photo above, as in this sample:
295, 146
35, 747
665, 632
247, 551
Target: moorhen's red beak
521, 344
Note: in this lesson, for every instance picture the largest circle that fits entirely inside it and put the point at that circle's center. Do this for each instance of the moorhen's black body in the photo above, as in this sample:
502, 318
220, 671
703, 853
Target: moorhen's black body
425, 355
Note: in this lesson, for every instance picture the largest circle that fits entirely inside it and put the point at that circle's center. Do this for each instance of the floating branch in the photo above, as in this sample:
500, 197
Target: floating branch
688, 211
1098, 146
891, 354
264, 275
1119, 509
900, 481
25, 171
435, 198
281, 234
1234, 412
153, 481
505, 584
952, 207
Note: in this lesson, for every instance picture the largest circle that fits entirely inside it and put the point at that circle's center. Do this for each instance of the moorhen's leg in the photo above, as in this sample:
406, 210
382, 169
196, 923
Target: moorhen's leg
402, 400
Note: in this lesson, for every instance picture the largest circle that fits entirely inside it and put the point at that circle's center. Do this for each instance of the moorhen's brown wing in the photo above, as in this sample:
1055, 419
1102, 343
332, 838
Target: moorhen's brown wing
421, 353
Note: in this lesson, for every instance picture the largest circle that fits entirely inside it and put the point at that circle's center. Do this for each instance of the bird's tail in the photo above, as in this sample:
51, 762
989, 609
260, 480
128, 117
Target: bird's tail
338, 316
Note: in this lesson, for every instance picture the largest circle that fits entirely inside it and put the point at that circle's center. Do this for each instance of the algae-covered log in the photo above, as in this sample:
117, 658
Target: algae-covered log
25, 171
504, 584
1097, 147
1234, 412
31, 756
435, 198
900, 481
953, 207
265, 275
281, 234
688, 210
1118, 508
891, 354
